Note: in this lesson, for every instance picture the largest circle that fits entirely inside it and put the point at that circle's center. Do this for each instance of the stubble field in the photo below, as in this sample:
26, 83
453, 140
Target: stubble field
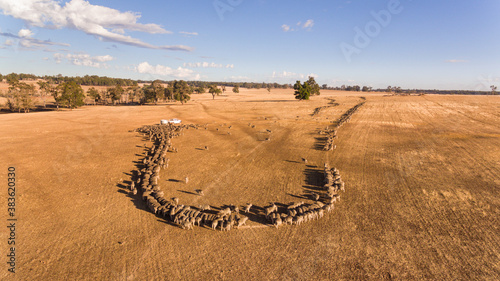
422, 198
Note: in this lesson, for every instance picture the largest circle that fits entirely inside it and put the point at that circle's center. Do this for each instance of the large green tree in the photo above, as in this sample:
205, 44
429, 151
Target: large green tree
155, 92
214, 90
236, 89
302, 91
181, 91
314, 86
70, 94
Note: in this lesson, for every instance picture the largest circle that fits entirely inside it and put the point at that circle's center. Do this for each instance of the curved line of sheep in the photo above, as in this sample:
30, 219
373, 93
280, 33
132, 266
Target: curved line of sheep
229, 217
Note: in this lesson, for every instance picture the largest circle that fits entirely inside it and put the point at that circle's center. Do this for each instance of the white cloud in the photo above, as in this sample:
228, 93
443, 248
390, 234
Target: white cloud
189, 33
240, 78
308, 24
104, 58
207, 65
84, 59
163, 70
284, 74
105, 23
292, 75
8, 42
456, 61
25, 33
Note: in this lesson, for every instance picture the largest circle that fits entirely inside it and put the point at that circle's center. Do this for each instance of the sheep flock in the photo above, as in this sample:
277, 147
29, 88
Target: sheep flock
146, 182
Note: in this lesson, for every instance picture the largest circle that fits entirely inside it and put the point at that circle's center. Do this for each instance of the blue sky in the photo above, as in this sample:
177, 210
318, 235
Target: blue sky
413, 44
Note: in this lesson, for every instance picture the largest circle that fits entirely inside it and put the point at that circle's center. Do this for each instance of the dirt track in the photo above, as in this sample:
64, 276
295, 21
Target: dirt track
421, 201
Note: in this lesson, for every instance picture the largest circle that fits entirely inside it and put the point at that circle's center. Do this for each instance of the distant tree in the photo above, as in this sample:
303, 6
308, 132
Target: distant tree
70, 94
389, 89
181, 91
200, 90
115, 93
104, 96
155, 92
302, 91
137, 94
133, 93
169, 92
45, 89
22, 95
94, 94
12, 78
397, 90
236, 89
214, 90
324, 86
314, 86
493, 89
365, 89
159, 91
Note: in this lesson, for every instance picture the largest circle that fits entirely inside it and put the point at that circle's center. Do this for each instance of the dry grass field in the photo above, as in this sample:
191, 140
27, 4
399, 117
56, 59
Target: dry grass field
422, 198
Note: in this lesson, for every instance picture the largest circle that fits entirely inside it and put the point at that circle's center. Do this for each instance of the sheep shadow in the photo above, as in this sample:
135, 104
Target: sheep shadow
136, 199
123, 185
314, 178
187, 192
297, 196
319, 143
256, 217
169, 222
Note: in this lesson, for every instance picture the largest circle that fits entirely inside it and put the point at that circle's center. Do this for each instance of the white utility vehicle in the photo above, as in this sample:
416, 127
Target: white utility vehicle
174, 121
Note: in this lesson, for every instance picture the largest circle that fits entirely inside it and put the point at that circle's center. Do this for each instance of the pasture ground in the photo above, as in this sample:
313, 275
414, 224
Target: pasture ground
422, 197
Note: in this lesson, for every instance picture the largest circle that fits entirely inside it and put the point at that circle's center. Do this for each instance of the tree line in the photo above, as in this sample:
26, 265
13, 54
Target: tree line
95, 80
87, 80
67, 91
69, 94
